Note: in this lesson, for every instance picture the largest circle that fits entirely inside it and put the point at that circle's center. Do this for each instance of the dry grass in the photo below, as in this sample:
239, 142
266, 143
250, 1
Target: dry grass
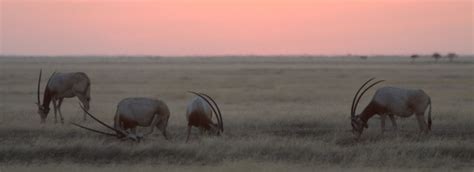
280, 114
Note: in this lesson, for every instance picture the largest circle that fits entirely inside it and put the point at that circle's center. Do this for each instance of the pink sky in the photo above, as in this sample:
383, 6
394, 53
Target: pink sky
216, 27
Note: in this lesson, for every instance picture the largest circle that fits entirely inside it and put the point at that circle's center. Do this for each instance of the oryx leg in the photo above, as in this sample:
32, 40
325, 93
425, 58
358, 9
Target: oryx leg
121, 127
60, 102
134, 135
165, 134
162, 126
394, 123
133, 131
189, 132
202, 131
85, 102
382, 122
55, 110
153, 124
422, 123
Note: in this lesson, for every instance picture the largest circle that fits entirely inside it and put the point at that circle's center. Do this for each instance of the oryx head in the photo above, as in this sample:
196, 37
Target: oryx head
215, 128
358, 124
120, 134
43, 109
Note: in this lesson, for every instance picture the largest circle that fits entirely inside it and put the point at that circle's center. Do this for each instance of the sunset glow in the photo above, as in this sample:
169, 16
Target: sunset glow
213, 27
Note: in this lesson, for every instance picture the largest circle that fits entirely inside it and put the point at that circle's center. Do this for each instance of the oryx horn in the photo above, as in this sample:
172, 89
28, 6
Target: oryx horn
218, 110
104, 124
356, 103
212, 107
38, 91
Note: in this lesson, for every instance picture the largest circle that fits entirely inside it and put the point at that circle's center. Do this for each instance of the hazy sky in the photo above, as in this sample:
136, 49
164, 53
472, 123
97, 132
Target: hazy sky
214, 27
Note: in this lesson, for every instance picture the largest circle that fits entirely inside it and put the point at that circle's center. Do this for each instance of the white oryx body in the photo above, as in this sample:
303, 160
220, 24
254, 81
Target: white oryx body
133, 112
402, 102
199, 114
60, 86
143, 112
199, 107
392, 101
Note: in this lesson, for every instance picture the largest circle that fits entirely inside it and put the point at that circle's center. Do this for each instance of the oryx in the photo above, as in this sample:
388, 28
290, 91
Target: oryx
391, 101
60, 86
133, 112
199, 114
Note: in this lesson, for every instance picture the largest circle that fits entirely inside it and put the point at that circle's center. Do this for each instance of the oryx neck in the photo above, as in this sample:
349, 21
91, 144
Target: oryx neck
47, 98
369, 111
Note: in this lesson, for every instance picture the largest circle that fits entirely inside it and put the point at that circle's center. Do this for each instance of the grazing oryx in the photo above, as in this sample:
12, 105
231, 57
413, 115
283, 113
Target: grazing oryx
133, 112
391, 101
60, 86
199, 114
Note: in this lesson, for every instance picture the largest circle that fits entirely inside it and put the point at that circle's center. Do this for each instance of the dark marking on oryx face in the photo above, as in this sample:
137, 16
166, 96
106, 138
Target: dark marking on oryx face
43, 113
214, 129
204, 123
358, 125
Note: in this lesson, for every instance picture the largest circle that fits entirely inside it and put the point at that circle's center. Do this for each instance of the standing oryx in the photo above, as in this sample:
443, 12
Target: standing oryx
133, 112
60, 86
199, 114
391, 101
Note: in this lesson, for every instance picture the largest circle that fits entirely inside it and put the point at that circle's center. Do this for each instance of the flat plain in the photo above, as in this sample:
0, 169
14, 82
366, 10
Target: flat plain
280, 114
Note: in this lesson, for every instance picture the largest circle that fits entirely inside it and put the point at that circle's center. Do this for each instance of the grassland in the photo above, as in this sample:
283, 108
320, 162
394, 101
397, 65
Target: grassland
280, 114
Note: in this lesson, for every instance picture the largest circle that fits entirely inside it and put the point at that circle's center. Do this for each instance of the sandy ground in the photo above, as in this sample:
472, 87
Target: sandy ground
280, 114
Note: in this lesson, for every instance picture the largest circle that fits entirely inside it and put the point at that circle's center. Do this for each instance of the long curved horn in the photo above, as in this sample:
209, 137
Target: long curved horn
356, 95
212, 107
38, 91
94, 130
358, 99
221, 124
46, 87
93, 117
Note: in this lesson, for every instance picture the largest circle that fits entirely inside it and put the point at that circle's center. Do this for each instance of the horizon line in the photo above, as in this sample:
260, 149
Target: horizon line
224, 55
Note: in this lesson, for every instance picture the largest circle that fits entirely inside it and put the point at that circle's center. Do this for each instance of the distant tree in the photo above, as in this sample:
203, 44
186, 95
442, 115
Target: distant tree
413, 57
363, 57
436, 56
451, 56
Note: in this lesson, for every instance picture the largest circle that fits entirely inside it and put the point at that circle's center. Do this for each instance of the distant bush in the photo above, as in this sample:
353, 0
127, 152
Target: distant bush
451, 56
436, 56
413, 57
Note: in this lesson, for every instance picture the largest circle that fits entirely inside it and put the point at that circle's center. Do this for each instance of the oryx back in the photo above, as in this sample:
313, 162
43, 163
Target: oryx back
401, 102
391, 101
199, 107
141, 111
199, 114
67, 85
